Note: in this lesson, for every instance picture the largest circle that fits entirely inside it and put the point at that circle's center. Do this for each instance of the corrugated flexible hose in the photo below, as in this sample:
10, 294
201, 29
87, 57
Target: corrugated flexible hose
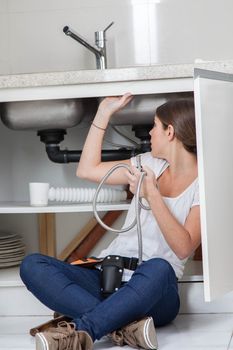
138, 206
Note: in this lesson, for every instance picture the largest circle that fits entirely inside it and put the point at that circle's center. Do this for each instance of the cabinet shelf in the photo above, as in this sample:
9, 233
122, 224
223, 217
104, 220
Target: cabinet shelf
9, 277
24, 207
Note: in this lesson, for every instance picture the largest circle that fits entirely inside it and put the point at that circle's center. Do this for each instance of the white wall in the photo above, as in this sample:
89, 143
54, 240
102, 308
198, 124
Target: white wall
145, 32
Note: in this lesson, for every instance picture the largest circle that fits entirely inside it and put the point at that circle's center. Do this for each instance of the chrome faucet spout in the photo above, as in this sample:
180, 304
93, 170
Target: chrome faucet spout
81, 40
99, 51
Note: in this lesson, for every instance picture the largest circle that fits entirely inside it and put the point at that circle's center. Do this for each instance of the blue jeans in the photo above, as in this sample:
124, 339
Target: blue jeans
75, 292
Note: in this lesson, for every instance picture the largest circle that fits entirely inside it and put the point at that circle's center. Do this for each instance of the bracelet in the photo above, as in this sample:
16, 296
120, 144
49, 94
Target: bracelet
98, 127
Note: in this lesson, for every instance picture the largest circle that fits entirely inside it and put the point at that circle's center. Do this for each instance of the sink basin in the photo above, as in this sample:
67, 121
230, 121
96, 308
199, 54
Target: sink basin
141, 110
38, 115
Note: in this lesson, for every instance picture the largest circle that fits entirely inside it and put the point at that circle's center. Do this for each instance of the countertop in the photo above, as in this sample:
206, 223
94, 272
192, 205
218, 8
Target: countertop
156, 72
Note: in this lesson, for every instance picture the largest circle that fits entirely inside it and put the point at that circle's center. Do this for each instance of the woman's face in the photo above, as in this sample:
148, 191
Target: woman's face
159, 139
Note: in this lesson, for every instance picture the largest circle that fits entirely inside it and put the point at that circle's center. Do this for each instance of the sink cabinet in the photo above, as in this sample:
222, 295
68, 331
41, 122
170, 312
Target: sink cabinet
23, 156
24, 159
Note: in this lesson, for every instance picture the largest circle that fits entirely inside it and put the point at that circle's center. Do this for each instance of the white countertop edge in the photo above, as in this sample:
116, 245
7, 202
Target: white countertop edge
92, 90
96, 76
155, 72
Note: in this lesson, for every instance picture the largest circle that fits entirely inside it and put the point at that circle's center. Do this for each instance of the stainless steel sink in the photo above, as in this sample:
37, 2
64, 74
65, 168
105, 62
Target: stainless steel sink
38, 115
141, 110
66, 113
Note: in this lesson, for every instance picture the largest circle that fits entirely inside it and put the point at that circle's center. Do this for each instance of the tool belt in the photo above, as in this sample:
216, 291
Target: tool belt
129, 263
111, 270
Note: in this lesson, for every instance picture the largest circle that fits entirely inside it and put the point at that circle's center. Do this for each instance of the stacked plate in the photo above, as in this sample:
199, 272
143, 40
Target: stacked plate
12, 249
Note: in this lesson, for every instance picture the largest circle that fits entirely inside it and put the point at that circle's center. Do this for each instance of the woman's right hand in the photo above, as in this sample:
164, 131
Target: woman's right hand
111, 105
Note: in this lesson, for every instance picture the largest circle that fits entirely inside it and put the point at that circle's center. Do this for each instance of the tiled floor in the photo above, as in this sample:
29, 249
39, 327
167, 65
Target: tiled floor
187, 332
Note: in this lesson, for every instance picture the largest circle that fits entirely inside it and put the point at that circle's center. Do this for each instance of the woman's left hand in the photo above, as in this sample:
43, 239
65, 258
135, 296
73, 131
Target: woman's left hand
149, 183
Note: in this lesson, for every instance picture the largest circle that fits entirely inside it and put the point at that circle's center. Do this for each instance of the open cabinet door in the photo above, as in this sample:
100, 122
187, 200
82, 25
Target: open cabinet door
213, 93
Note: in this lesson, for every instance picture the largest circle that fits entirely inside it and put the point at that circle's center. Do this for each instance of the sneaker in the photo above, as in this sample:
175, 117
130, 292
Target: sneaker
63, 337
138, 334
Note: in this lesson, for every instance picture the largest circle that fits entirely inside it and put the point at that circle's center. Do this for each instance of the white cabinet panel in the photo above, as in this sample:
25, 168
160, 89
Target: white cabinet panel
214, 116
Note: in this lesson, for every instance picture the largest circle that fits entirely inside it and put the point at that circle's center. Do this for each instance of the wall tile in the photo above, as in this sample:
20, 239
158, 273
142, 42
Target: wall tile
37, 42
183, 30
145, 32
4, 45
42, 5
3, 6
47, 5
128, 38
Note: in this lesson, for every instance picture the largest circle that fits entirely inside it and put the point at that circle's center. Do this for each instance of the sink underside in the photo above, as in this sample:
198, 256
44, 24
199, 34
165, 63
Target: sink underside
46, 114
67, 113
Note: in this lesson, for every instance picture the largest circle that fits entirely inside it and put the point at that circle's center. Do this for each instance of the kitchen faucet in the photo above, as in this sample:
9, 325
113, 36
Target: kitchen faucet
100, 42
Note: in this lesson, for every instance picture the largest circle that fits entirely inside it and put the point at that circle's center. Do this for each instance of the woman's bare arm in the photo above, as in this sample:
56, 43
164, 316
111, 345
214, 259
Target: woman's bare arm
182, 239
90, 166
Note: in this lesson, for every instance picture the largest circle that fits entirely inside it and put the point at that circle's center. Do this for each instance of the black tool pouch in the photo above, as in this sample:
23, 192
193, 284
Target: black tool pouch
112, 269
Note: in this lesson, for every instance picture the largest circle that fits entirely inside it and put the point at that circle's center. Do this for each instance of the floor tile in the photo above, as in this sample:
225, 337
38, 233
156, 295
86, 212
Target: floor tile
17, 342
187, 332
231, 343
20, 325
204, 322
194, 340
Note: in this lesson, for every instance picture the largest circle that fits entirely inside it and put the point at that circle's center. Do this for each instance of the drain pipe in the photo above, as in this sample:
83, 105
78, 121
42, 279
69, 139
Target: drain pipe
53, 137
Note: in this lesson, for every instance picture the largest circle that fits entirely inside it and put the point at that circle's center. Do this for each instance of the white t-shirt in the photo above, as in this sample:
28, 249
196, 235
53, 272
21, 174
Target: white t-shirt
154, 243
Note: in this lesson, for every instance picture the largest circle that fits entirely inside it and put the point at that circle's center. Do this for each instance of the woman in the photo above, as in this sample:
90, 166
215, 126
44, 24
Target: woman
148, 294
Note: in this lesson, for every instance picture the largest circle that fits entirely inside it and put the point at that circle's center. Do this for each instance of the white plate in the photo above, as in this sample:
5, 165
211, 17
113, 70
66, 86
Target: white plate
11, 243
8, 264
7, 235
17, 259
12, 255
11, 252
12, 258
11, 246
10, 240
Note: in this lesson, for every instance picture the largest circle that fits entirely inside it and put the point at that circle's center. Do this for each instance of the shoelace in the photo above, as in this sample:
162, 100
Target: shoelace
123, 336
66, 336
117, 337
130, 338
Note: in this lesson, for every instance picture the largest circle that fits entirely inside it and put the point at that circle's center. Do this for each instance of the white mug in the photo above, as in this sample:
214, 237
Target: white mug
39, 192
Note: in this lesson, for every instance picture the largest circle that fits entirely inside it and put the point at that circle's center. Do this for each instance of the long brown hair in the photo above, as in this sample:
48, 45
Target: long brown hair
181, 115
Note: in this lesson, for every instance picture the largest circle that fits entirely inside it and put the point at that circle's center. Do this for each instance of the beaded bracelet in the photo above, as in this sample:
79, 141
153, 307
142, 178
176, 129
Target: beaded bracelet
98, 127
